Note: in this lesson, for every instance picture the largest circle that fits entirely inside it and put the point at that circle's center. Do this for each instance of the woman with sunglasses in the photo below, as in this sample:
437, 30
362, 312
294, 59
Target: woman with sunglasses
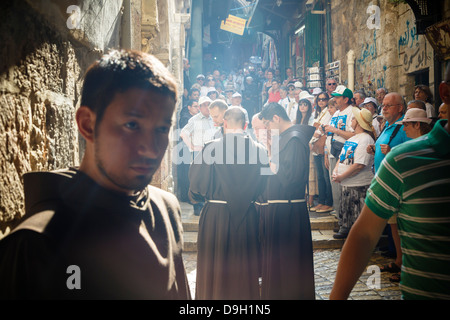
322, 117
305, 116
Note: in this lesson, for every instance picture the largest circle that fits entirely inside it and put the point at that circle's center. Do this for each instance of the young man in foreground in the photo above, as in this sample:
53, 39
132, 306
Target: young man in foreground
100, 231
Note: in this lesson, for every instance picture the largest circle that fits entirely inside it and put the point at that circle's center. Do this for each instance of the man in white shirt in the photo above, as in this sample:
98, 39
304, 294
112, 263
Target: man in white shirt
236, 100
341, 129
200, 128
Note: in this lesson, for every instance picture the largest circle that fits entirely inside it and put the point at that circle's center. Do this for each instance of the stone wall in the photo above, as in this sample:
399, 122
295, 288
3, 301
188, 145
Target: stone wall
47, 45
41, 73
388, 51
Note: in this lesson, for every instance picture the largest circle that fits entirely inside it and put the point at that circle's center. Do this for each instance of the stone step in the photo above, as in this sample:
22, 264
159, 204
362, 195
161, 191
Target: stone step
322, 239
322, 225
324, 222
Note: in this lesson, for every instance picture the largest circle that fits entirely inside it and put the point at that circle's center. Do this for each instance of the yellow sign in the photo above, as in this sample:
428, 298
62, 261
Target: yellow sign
233, 24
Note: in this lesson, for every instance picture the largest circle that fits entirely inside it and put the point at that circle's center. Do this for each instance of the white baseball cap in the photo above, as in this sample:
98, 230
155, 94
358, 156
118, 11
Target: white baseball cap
317, 91
370, 99
204, 99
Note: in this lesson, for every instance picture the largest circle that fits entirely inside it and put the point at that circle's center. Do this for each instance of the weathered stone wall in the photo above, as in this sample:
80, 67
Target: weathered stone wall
387, 51
163, 26
41, 72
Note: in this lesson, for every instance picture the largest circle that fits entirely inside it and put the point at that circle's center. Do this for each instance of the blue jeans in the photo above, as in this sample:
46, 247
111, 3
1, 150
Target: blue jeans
323, 181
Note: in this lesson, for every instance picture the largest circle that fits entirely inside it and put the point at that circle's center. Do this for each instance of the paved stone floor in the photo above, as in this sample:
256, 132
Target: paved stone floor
325, 265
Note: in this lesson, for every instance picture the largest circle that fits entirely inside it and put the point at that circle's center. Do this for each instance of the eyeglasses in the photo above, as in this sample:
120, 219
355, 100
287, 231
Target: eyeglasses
331, 84
390, 105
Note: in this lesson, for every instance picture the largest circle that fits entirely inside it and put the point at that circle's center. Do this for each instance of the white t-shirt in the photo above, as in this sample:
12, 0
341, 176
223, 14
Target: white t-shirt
430, 110
343, 121
290, 105
355, 151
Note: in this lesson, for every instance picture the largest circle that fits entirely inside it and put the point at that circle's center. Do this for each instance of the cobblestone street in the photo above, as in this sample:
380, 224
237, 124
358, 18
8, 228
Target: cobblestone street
325, 265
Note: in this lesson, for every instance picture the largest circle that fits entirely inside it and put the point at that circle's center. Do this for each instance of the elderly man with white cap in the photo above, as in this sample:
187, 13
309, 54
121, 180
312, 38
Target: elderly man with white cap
236, 100
371, 105
199, 130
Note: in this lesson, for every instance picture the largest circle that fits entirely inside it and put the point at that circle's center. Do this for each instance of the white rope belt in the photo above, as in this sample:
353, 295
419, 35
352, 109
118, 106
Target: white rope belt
263, 203
216, 201
280, 201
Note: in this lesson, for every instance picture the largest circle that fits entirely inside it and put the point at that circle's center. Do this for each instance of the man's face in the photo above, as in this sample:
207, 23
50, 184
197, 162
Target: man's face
193, 110
358, 99
236, 101
130, 140
195, 95
260, 130
392, 108
204, 108
379, 95
200, 81
341, 102
443, 111
331, 85
272, 124
289, 73
217, 116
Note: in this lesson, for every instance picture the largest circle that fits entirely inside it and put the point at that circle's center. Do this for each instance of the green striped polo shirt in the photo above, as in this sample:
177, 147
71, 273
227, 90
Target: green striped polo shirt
414, 181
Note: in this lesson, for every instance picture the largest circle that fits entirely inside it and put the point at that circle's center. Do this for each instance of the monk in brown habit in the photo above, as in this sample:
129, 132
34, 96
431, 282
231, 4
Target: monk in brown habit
287, 259
101, 231
229, 174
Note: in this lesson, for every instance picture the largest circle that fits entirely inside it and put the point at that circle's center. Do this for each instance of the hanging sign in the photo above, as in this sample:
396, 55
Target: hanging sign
233, 24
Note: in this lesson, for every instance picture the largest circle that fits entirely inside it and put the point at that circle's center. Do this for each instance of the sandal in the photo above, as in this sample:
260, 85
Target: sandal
395, 277
391, 267
313, 209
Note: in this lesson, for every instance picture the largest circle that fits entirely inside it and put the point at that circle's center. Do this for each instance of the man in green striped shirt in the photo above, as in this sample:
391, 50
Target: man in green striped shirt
413, 181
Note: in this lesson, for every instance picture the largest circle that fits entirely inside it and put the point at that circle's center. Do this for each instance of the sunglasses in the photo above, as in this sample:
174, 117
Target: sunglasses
331, 84
322, 99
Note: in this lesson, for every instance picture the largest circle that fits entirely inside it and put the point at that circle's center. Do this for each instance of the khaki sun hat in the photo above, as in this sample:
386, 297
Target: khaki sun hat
415, 115
364, 118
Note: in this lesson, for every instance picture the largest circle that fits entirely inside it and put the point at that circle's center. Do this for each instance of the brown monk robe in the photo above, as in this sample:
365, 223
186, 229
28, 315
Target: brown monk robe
287, 258
229, 177
287, 269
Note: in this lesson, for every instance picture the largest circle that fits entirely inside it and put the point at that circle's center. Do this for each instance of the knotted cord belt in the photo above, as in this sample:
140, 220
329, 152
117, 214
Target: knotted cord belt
263, 203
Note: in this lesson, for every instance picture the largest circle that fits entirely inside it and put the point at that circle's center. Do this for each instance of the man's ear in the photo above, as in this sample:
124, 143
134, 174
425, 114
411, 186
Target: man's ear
444, 92
85, 118
276, 118
225, 124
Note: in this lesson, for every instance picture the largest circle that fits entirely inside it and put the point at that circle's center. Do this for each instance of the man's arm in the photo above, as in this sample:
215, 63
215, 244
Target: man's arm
357, 250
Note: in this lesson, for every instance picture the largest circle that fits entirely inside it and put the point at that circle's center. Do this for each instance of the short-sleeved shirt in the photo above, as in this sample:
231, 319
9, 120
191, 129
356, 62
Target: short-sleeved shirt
355, 151
384, 137
414, 182
199, 129
343, 121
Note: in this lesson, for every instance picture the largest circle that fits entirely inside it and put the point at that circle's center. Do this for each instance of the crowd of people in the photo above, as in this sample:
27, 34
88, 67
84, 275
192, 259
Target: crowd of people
353, 133
102, 231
